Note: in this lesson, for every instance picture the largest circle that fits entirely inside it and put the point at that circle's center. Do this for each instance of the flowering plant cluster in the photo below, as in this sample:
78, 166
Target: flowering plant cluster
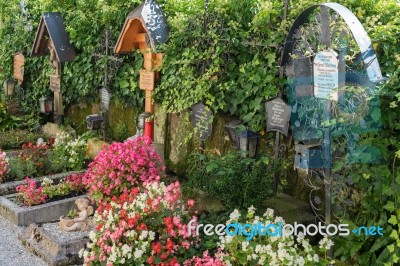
271, 250
147, 225
3, 166
31, 194
121, 167
32, 160
68, 153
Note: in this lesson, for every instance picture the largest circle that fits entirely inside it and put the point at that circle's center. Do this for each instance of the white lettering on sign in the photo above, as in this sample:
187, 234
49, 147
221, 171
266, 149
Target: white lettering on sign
326, 75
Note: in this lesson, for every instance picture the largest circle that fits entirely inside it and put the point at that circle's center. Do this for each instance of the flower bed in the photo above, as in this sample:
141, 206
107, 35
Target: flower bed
43, 213
62, 155
11, 187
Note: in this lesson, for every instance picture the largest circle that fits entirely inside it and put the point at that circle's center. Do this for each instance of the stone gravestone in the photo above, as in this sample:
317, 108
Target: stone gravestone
202, 121
278, 115
326, 75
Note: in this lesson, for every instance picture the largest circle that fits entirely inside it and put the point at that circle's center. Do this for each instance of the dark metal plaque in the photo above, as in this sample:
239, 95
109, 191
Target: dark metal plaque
278, 115
202, 121
303, 76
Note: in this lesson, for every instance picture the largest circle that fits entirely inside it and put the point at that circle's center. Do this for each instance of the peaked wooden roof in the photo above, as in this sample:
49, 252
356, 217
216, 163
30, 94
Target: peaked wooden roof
144, 27
51, 26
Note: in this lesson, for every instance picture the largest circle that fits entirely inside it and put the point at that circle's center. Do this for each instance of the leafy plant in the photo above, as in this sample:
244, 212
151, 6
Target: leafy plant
68, 153
236, 182
3, 166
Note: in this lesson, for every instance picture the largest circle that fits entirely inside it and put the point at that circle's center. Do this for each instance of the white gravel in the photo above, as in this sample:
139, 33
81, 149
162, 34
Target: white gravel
12, 253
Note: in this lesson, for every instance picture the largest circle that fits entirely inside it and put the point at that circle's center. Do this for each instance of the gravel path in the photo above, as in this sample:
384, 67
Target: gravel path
12, 253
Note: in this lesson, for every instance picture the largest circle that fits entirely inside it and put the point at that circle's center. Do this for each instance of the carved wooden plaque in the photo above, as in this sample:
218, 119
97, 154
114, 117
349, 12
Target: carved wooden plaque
19, 62
146, 81
55, 83
326, 75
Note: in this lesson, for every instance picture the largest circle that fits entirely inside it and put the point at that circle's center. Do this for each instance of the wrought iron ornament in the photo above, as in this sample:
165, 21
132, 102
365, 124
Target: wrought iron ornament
332, 73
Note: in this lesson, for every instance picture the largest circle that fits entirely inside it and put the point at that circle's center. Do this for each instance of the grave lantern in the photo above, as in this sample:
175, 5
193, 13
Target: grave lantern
9, 86
142, 120
94, 122
52, 39
231, 129
46, 105
145, 28
248, 142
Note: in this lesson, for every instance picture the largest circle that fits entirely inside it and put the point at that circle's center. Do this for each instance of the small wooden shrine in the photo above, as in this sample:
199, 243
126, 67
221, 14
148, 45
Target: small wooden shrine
52, 39
144, 28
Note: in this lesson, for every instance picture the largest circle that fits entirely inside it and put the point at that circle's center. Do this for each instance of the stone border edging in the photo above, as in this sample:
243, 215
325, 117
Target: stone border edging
47, 212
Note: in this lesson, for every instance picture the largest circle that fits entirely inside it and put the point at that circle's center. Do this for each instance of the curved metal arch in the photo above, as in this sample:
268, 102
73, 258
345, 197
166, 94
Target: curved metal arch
357, 30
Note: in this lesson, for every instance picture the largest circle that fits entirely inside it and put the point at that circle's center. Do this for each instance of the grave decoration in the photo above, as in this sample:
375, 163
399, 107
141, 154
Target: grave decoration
145, 28
18, 67
201, 120
80, 223
331, 97
52, 39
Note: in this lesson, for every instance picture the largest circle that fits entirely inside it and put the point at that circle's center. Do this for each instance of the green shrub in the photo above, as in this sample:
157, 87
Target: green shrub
235, 181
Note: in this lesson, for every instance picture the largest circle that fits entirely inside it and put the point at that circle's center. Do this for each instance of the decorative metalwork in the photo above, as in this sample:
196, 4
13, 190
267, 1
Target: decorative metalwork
323, 130
106, 60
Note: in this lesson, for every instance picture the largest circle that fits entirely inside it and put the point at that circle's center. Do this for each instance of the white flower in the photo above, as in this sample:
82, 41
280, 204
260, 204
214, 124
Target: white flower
234, 216
269, 213
152, 235
245, 244
299, 261
251, 209
316, 258
138, 253
125, 249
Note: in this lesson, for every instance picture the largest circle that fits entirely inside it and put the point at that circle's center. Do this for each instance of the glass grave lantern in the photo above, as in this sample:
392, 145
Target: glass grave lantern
46, 105
248, 142
9, 86
94, 122
231, 128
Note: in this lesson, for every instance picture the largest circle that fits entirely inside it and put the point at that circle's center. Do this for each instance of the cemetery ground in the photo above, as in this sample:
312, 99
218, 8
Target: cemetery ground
197, 133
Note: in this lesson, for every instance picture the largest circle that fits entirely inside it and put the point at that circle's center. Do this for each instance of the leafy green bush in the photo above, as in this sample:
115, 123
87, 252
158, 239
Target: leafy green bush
235, 181
14, 139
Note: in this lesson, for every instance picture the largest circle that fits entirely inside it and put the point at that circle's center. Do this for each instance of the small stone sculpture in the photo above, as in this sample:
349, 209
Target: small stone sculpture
81, 222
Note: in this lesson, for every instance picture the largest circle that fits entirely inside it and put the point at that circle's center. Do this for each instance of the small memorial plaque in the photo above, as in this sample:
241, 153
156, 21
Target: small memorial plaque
303, 77
105, 98
326, 75
19, 61
202, 121
55, 83
146, 81
278, 115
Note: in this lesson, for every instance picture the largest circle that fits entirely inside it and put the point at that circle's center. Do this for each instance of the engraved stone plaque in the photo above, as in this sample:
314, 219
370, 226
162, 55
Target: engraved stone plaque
146, 81
326, 75
202, 121
278, 115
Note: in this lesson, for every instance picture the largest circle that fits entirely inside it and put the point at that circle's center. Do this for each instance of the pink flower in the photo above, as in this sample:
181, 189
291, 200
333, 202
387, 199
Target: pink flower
190, 203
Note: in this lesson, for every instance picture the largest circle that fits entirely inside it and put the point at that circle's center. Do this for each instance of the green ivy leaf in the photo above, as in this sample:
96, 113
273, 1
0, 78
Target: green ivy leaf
393, 219
389, 206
